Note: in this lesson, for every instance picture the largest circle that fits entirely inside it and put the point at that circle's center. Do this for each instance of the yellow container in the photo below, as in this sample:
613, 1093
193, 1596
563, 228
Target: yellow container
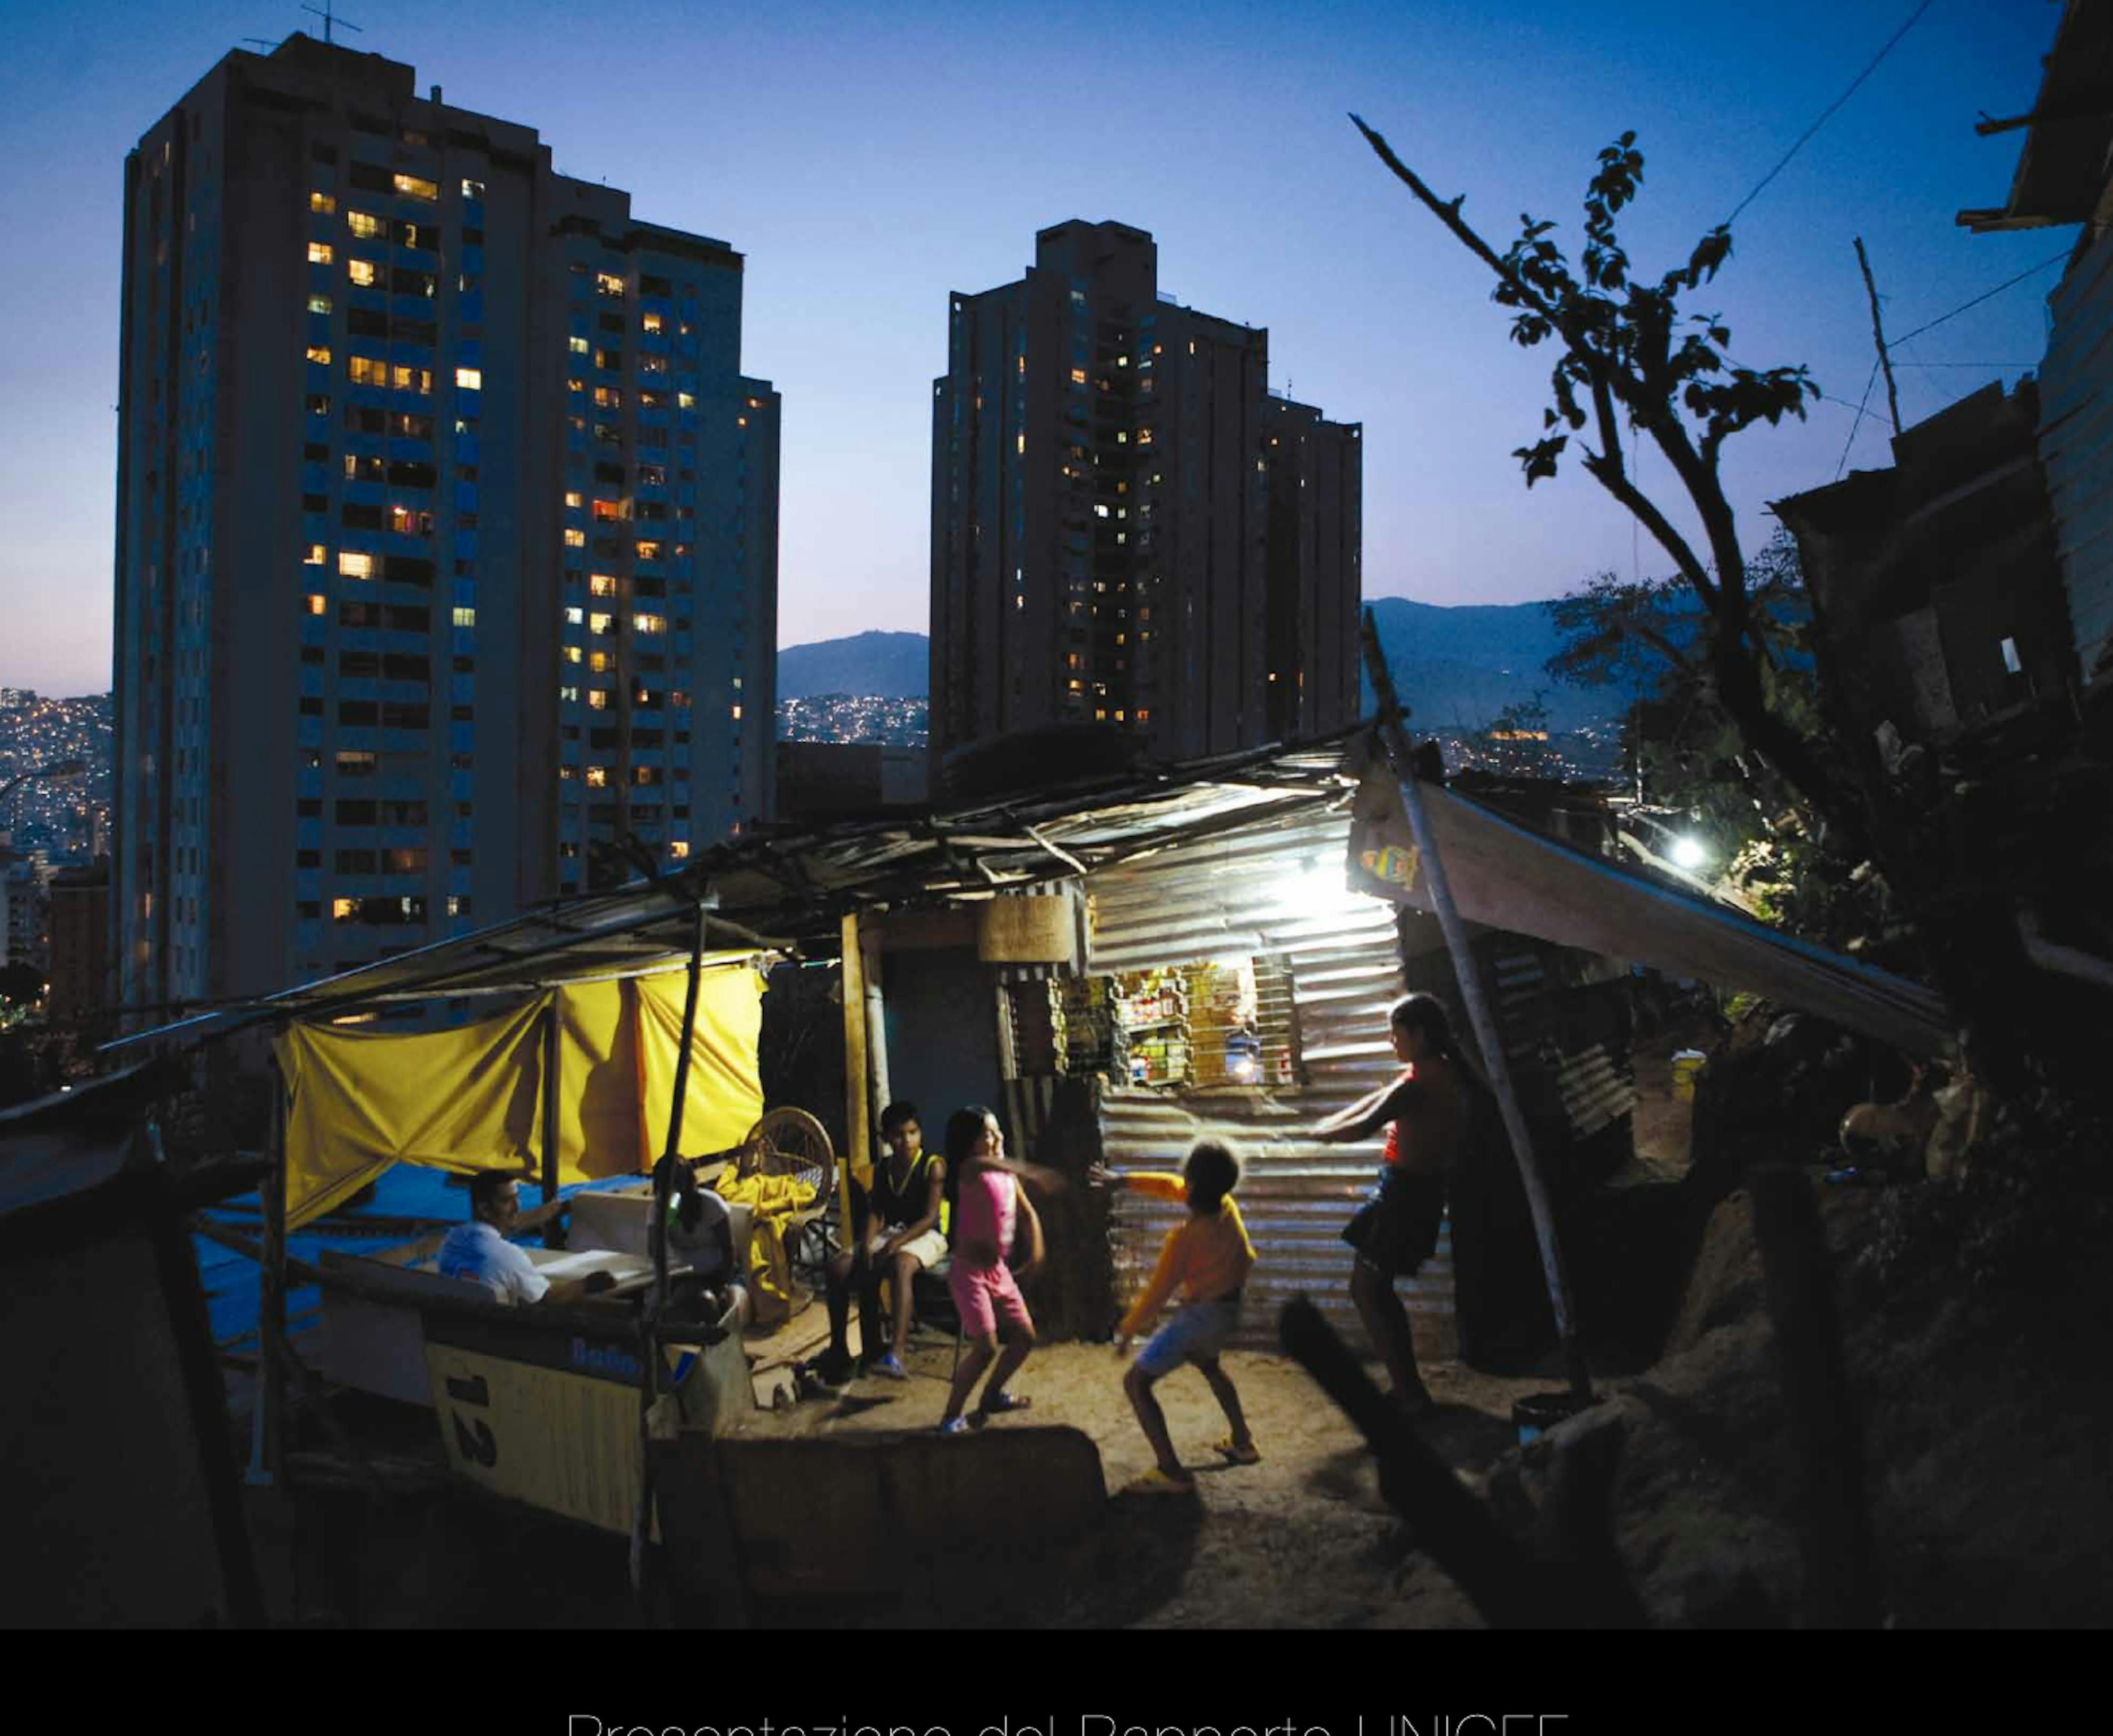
1686, 1065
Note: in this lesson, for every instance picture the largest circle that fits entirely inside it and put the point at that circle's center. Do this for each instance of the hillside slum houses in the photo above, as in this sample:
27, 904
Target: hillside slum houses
1963, 598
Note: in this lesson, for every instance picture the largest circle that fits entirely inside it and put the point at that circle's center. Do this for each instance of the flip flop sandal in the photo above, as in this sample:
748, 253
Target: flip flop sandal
1248, 1455
1157, 1482
1000, 1403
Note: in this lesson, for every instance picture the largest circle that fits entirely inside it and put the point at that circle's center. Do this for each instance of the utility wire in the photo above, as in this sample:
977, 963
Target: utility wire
1857, 423
1828, 113
2030, 271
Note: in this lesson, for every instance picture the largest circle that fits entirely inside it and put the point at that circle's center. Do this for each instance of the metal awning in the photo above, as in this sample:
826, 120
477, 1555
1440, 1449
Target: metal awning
779, 891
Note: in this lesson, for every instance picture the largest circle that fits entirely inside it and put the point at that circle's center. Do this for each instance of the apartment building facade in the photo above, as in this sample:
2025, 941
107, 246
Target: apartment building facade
446, 532
1128, 527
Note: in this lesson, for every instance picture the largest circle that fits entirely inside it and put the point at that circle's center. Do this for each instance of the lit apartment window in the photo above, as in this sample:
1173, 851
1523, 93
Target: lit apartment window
600, 662
598, 699
679, 848
360, 272
412, 186
351, 565
367, 227
608, 397
609, 283
345, 910
736, 714
1143, 715
578, 346
366, 370
606, 511
575, 537
317, 556
465, 617
472, 189
1078, 376
319, 353
686, 400
597, 777
319, 252
600, 623
601, 584
648, 623
571, 653
573, 617
1020, 442
323, 204
317, 604
650, 321
319, 305
650, 550
469, 379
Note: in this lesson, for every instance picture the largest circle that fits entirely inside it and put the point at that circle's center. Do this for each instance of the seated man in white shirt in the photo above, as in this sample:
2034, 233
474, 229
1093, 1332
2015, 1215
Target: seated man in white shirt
479, 1250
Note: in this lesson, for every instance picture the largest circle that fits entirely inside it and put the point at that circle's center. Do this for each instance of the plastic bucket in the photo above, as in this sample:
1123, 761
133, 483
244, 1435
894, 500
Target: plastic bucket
1686, 1064
1538, 1412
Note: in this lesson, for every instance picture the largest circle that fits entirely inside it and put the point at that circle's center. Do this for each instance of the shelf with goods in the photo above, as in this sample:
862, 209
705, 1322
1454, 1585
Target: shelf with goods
1151, 1016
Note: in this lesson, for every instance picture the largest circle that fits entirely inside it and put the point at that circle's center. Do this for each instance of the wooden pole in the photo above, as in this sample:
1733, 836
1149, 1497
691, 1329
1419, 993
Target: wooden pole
876, 1021
656, 1243
554, 1229
858, 1109
1479, 1014
267, 1443
1878, 332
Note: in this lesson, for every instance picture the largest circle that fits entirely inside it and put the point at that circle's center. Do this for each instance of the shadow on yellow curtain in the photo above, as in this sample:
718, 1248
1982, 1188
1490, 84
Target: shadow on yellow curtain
724, 1096
359, 1101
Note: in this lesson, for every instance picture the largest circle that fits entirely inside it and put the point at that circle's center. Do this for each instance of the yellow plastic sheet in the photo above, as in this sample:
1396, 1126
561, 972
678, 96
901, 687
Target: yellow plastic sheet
472, 1099
359, 1101
724, 1095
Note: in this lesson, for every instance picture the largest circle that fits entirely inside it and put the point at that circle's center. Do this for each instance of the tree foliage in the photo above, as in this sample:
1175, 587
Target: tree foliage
1631, 364
1647, 638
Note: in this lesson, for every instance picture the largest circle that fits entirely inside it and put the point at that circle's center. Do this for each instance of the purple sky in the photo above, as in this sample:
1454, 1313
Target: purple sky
870, 159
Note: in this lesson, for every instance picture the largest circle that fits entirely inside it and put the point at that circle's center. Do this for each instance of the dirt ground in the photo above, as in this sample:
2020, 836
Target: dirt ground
1303, 1539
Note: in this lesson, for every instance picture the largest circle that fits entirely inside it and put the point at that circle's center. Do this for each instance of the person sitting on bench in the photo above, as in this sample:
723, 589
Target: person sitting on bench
899, 1229
479, 1252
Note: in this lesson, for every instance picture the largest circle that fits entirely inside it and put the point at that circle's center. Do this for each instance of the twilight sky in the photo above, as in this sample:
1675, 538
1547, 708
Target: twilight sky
868, 159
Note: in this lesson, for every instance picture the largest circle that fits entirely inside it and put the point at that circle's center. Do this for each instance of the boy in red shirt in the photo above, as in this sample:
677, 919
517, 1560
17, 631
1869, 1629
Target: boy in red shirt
1208, 1259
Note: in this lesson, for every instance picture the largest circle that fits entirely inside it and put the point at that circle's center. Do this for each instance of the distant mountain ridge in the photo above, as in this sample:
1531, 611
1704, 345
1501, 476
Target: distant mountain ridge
885, 665
1453, 666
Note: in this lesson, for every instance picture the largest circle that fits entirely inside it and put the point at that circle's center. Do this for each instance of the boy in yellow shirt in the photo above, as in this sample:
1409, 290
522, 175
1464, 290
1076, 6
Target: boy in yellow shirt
1208, 1259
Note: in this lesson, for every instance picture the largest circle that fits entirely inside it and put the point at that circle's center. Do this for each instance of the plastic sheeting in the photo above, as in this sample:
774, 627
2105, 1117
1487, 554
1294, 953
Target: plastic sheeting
1505, 876
472, 1099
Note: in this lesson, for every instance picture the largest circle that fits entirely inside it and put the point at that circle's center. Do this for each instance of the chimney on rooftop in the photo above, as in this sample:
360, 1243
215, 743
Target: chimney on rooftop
436, 93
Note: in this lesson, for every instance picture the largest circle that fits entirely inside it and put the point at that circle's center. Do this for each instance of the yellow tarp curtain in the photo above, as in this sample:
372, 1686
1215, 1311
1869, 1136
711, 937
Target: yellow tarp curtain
472, 1099
359, 1101
724, 1094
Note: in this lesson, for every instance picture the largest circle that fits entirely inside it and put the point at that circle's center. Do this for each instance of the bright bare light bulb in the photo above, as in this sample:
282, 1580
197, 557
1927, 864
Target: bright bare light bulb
1688, 852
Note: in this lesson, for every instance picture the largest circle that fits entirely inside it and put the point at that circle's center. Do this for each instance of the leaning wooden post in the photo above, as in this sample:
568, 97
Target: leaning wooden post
656, 1245
267, 1438
858, 1128
1479, 1014
554, 1232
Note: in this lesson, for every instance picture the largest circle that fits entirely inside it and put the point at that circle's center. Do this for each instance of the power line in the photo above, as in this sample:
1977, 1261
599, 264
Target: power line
1828, 113
1857, 423
2030, 271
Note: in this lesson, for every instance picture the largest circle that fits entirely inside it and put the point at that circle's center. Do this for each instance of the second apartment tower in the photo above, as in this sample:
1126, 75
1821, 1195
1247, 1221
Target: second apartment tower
1129, 527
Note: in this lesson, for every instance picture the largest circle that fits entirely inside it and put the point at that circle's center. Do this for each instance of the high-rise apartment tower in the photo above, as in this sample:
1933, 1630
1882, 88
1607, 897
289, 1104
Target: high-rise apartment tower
446, 530
1128, 526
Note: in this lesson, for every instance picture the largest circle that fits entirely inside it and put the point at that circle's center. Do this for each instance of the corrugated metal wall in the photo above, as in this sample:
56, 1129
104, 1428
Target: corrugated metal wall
2076, 445
1272, 890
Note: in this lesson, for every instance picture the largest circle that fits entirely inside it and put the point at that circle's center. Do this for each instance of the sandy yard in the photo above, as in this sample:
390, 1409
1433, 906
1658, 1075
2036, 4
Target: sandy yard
1301, 1539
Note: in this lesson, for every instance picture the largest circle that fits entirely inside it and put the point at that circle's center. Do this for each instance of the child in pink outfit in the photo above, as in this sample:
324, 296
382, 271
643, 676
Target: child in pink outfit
985, 1290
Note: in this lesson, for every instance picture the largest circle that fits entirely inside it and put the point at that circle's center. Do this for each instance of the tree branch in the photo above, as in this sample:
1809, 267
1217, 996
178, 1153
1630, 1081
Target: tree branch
1449, 215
